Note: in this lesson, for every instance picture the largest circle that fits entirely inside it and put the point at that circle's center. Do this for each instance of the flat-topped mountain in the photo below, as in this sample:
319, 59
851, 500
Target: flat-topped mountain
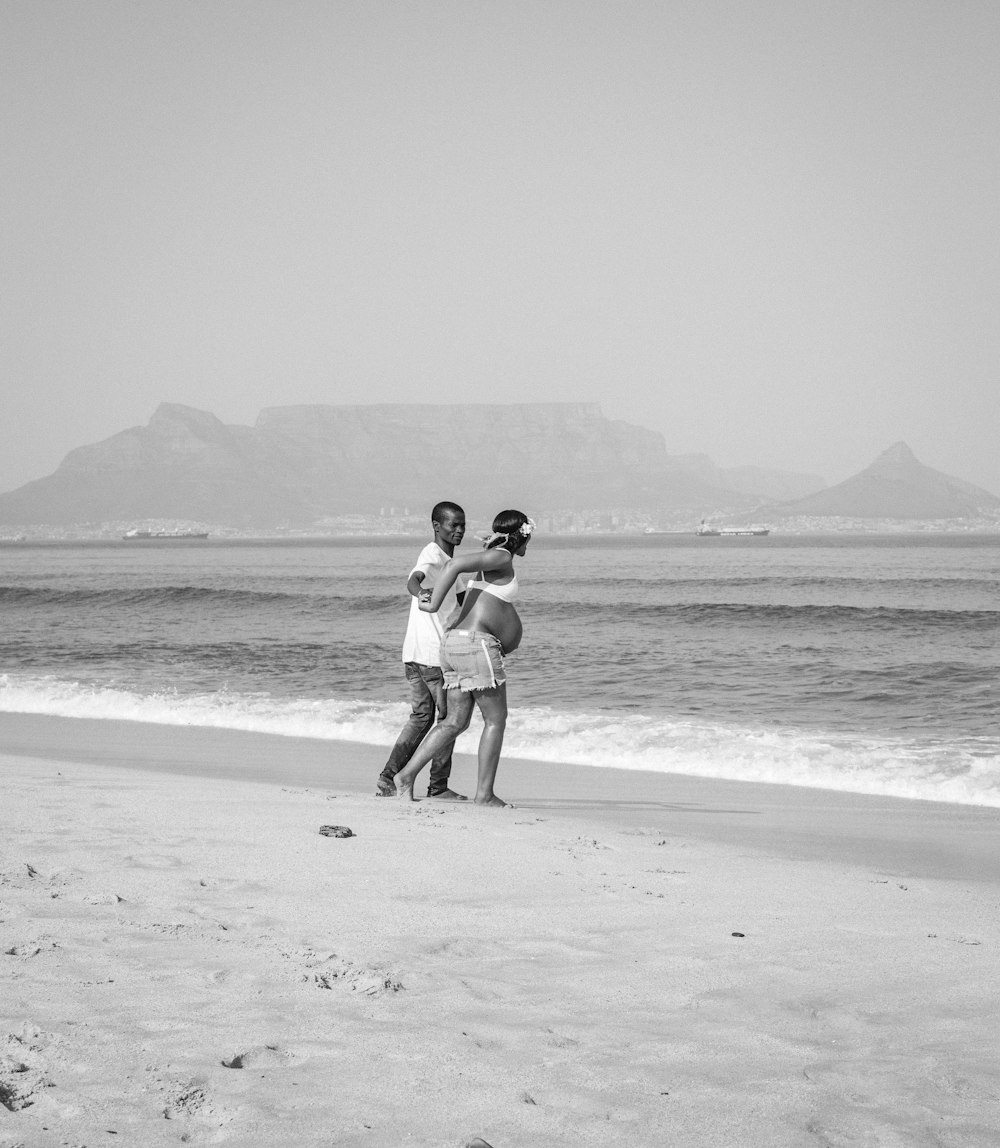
299, 464
896, 485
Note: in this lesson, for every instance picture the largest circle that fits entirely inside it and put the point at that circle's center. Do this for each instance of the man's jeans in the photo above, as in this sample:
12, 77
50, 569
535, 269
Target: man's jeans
422, 714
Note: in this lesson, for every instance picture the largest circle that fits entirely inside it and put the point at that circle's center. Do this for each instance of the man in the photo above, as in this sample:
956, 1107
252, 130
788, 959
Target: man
422, 656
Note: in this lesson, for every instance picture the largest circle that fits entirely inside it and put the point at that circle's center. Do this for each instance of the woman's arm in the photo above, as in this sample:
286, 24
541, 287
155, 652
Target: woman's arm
496, 560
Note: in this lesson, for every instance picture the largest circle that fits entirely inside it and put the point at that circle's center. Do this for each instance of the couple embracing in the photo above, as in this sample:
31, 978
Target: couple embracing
458, 633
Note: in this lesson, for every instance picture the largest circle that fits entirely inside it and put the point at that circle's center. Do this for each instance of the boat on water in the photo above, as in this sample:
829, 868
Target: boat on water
142, 535
706, 531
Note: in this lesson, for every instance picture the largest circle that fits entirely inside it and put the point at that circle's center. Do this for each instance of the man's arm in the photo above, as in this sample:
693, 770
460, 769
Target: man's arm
414, 586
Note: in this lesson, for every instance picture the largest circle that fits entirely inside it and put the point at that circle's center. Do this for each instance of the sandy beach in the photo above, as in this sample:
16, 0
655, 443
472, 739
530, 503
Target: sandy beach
623, 958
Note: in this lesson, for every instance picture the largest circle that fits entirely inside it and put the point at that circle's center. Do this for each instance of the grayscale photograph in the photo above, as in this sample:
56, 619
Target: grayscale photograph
500, 573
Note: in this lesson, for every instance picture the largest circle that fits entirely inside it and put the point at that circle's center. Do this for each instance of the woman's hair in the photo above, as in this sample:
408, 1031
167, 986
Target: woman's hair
510, 528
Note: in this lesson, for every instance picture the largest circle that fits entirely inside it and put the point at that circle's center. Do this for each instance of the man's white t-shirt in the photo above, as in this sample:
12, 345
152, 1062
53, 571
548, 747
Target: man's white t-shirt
424, 630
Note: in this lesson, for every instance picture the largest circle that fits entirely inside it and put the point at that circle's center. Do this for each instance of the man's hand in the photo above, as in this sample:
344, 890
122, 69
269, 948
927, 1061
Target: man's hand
440, 695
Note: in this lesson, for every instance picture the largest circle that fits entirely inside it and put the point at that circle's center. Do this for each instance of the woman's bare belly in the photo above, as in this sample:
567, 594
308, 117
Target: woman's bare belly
482, 611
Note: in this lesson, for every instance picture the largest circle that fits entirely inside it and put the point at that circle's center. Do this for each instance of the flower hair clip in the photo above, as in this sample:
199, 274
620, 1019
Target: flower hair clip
525, 530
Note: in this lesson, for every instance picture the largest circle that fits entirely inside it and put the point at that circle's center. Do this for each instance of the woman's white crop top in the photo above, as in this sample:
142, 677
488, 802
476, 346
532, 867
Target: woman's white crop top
507, 592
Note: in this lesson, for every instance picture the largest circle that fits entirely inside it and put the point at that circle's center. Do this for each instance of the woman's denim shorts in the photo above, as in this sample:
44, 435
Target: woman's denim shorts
472, 660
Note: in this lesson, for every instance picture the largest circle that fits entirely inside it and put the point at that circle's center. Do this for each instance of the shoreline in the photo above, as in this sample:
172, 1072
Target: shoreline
907, 837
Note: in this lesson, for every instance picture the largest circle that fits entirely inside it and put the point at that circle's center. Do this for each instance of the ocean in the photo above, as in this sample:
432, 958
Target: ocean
860, 663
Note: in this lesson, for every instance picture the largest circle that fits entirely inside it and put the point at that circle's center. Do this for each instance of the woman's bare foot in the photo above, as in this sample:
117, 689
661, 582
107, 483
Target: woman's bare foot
494, 802
404, 789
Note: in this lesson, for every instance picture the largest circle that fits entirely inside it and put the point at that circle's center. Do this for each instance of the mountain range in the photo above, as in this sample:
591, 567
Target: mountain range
300, 464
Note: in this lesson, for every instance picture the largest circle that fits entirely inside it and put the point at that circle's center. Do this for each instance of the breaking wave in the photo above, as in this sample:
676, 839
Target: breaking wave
965, 771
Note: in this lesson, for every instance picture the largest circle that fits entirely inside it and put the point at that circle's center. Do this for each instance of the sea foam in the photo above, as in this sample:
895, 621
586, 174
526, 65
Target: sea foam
965, 772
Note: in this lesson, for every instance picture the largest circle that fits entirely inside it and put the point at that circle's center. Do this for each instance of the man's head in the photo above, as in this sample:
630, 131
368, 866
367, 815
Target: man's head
448, 520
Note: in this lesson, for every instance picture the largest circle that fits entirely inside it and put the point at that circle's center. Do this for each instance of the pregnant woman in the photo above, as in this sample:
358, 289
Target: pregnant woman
473, 650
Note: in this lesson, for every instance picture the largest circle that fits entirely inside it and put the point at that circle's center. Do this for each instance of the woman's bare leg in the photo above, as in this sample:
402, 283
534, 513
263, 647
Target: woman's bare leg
493, 706
444, 734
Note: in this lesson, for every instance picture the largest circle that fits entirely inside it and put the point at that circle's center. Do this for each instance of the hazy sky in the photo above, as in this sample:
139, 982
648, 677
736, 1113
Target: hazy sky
766, 228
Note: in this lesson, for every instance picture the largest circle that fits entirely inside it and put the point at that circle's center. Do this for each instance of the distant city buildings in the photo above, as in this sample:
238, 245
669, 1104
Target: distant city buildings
400, 521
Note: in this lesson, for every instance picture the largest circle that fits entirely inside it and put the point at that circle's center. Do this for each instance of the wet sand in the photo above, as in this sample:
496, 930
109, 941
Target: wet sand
624, 958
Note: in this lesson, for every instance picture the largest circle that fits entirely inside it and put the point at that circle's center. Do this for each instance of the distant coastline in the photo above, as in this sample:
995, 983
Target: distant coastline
222, 535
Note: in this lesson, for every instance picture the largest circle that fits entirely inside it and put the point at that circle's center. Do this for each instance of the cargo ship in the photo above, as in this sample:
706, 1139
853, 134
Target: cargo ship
706, 531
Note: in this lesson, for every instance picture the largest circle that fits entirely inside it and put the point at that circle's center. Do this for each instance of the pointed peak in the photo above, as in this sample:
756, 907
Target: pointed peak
899, 451
897, 460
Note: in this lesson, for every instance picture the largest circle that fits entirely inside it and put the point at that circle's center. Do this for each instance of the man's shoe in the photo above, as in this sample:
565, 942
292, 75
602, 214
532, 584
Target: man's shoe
446, 795
385, 789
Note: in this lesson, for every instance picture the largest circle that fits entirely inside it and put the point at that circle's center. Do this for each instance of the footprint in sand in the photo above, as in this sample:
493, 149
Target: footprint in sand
186, 1101
482, 991
23, 876
462, 948
103, 899
486, 1043
19, 1084
327, 969
28, 949
556, 1040
370, 982
225, 884
260, 1056
189, 1100
23, 1068
201, 1119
